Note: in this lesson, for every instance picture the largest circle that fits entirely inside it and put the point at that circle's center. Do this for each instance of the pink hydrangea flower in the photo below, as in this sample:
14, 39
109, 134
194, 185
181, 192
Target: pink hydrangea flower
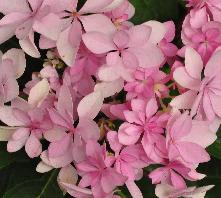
203, 96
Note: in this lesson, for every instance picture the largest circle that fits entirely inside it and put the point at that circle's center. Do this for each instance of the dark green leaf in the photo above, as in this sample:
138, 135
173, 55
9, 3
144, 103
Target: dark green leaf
162, 10
39, 188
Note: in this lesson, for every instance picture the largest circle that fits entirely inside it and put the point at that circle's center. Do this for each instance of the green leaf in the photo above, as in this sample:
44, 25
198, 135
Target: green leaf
38, 188
215, 149
162, 10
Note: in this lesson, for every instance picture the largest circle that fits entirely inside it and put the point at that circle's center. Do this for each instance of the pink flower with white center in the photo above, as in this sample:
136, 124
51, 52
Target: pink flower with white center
142, 123
20, 20
147, 83
202, 35
67, 30
96, 171
178, 147
203, 95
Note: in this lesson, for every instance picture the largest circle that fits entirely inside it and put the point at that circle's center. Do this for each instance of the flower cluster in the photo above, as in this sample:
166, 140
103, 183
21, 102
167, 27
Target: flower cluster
103, 71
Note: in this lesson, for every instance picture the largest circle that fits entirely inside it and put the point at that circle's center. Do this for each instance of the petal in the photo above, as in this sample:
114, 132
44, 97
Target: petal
29, 46
185, 100
92, 6
6, 133
21, 133
129, 134
38, 93
68, 43
214, 64
67, 175
49, 26
14, 18
108, 73
197, 155
59, 148
43, 168
149, 56
99, 23
18, 58
7, 7
7, 116
158, 31
215, 101
33, 146
151, 108
181, 76
11, 89
98, 43
200, 130
139, 35
14, 146
88, 129
193, 63
115, 4
109, 88
90, 105
6, 32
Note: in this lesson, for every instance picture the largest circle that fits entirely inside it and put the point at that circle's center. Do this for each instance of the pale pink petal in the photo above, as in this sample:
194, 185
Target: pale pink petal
99, 23
7, 7
214, 64
88, 129
200, 130
6, 32
193, 63
184, 101
38, 93
43, 168
108, 73
14, 18
11, 89
149, 56
215, 101
20, 133
49, 26
29, 46
139, 35
133, 189
45, 43
151, 108
90, 105
7, 116
92, 6
197, 155
129, 134
33, 146
181, 76
68, 43
18, 58
158, 31
14, 146
115, 4
98, 43
54, 134
67, 175
59, 148
109, 88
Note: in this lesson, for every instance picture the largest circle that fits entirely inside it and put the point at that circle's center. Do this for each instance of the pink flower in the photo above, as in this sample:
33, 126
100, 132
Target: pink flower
173, 174
96, 171
203, 96
178, 147
67, 34
21, 21
31, 123
143, 121
146, 84
202, 35
133, 46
